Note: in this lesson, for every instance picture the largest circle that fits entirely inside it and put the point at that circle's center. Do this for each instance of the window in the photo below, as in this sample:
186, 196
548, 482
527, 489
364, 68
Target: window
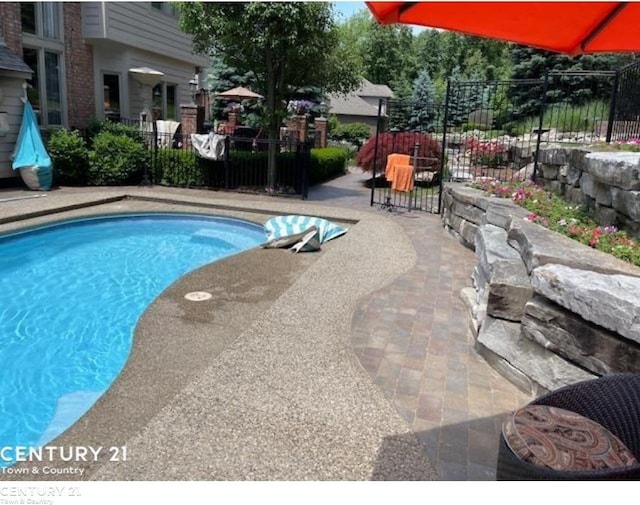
28, 15
41, 19
45, 90
164, 101
111, 101
166, 7
43, 51
52, 87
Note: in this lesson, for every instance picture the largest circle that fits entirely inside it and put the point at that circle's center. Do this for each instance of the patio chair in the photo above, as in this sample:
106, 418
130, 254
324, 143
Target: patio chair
613, 401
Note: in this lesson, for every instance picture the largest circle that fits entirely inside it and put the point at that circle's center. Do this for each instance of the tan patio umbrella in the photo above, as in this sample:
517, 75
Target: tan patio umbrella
238, 93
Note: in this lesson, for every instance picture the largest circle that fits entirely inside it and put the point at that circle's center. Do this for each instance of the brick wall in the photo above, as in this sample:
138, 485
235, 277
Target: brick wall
79, 68
11, 26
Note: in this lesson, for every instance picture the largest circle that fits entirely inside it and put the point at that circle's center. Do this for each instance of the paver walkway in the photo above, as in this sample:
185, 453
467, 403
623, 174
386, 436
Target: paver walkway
412, 339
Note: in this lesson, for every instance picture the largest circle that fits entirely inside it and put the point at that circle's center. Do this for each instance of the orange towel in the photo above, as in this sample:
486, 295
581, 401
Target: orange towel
402, 178
394, 160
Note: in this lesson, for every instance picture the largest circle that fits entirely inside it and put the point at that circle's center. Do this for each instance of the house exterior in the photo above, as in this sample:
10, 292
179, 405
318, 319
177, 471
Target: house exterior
88, 60
361, 105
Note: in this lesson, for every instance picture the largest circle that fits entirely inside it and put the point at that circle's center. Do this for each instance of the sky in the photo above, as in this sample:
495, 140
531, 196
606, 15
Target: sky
346, 9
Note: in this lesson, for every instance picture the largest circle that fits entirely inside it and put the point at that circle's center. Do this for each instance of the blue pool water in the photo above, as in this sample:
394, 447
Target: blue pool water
70, 297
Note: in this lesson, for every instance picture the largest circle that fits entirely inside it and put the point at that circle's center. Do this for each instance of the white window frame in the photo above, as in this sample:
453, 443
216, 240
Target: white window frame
120, 91
40, 44
163, 100
39, 35
165, 8
42, 87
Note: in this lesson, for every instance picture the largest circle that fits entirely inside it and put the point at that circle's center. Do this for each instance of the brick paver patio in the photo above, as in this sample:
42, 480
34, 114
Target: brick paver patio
412, 339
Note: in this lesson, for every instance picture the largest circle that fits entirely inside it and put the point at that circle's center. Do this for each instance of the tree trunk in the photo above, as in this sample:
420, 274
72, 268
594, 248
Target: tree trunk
274, 127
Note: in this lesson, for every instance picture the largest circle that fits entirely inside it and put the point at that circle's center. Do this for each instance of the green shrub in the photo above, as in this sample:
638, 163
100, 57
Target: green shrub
355, 133
96, 127
326, 163
116, 159
178, 167
69, 154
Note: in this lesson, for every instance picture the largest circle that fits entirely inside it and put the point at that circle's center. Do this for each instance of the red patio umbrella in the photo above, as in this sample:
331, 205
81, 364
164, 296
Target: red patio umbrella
565, 27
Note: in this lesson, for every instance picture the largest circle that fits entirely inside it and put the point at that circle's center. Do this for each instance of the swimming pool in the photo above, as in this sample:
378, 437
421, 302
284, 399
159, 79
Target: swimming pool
70, 297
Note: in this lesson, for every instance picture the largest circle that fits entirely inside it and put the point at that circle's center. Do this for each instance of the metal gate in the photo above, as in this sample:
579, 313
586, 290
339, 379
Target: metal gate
492, 129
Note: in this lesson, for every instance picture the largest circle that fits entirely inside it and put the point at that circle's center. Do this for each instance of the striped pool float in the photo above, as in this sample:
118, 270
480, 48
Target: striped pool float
296, 231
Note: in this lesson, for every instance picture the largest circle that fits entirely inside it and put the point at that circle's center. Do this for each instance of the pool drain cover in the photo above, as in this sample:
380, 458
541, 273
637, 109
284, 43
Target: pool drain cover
198, 296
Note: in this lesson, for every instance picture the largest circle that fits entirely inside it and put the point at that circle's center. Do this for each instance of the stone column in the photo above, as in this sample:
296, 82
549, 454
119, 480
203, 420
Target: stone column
191, 118
322, 127
299, 124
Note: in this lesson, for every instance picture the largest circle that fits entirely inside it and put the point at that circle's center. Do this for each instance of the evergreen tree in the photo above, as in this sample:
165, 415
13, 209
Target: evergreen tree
423, 104
222, 77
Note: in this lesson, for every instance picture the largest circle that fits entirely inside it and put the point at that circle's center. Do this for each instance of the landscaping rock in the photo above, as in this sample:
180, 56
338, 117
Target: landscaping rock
468, 234
602, 194
509, 372
621, 169
508, 283
562, 174
627, 202
550, 172
500, 211
610, 301
539, 246
470, 196
605, 216
553, 155
586, 183
539, 364
479, 278
467, 211
470, 300
588, 345
525, 173
577, 158
574, 195
555, 187
455, 222
573, 176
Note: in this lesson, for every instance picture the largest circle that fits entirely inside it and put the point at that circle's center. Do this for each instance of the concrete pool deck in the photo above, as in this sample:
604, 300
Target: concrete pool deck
301, 366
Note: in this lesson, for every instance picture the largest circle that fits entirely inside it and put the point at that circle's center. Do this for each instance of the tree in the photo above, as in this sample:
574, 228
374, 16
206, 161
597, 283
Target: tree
222, 77
529, 63
287, 45
423, 109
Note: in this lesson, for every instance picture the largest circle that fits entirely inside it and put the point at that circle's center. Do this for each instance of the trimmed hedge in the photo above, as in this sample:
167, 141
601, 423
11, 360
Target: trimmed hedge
327, 163
97, 127
178, 167
70, 157
175, 167
115, 160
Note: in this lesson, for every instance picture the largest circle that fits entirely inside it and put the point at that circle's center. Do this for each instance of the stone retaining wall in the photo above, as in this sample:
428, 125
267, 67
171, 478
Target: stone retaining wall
544, 310
608, 183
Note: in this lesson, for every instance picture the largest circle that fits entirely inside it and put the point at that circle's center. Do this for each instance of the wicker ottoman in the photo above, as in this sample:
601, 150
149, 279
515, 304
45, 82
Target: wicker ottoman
612, 401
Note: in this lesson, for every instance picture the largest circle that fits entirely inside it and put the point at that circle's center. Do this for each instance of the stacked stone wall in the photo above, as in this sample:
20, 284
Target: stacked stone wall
608, 183
544, 310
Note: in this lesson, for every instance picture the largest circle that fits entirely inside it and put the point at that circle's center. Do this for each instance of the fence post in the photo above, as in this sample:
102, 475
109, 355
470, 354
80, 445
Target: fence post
227, 144
543, 105
443, 154
612, 106
375, 151
306, 168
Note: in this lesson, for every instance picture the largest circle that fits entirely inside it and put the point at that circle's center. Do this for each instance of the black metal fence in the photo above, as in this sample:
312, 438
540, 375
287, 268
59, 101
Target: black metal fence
625, 105
242, 165
496, 129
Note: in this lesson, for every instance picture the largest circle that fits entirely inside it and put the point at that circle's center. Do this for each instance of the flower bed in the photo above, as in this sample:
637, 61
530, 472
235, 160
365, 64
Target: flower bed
554, 213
